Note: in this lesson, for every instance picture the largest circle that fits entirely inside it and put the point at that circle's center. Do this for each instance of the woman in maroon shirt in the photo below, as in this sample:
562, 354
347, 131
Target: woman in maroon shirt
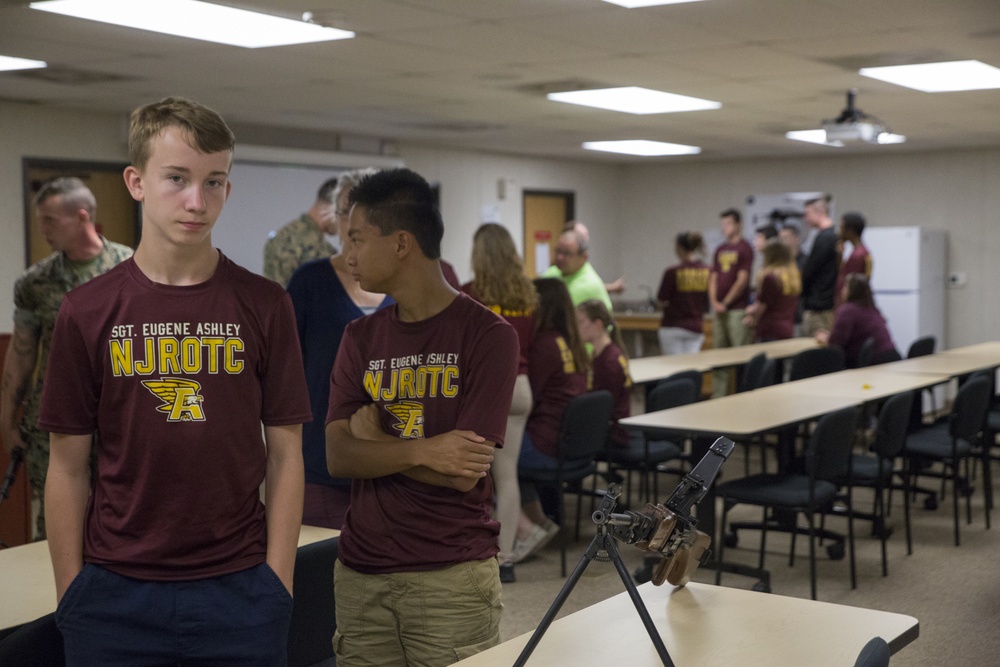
856, 321
683, 296
779, 285
558, 368
609, 361
499, 284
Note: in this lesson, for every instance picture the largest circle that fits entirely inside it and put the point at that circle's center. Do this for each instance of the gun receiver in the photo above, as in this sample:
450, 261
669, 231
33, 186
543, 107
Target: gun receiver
669, 529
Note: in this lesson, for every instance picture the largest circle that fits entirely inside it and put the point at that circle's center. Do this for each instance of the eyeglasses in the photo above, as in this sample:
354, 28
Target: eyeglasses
562, 252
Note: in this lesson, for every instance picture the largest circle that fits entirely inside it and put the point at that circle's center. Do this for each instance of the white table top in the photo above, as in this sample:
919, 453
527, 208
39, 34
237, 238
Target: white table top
744, 414
650, 369
867, 384
709, 625
28, 590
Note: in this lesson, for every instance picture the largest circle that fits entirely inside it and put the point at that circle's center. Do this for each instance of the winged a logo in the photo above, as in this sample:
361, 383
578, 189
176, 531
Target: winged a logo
182, 399
411, 418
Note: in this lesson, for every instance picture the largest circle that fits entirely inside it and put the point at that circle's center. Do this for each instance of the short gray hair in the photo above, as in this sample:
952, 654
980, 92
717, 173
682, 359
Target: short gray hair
347, 180
74, 192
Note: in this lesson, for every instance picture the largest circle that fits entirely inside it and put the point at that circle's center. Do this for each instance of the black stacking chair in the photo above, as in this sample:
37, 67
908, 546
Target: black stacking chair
921, 347
33, 644
875, 470
866, 354
816, 361
827, 463
582, 437
953, 440
314, 613
875, 653
751, 376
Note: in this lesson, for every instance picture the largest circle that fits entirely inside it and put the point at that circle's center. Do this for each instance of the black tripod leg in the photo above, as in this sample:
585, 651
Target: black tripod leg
640, 606
557, 604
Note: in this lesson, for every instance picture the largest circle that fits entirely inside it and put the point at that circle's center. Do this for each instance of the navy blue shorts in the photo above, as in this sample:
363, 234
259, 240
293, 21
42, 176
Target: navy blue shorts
237, 619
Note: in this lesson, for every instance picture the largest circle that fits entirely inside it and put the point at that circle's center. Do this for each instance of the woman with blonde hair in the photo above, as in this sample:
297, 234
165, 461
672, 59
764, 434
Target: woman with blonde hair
779, 285
500, 284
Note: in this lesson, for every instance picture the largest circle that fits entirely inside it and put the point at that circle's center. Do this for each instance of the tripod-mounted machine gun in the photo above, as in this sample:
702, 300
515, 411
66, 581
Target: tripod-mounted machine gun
667, 529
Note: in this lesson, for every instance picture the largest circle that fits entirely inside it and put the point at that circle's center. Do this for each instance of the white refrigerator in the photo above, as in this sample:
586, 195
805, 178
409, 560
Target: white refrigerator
909, 279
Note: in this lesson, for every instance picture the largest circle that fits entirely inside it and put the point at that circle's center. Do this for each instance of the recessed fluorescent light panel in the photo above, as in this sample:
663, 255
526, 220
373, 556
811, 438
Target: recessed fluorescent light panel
939, 77
633, 4
641, 147
197, 20
813, 137
8, 63
890, 138
632, 99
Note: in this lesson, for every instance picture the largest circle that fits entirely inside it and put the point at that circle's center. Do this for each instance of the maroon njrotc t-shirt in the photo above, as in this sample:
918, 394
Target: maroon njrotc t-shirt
730, 259
454, 370
684, 288
781, 296
611, 373
176, 382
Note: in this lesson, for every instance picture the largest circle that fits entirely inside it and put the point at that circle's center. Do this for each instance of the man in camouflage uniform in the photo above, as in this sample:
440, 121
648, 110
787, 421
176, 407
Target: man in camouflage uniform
304, 239
65, 209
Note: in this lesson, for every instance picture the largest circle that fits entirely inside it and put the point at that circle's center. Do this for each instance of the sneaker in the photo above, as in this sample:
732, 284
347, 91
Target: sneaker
527, 546
507, 573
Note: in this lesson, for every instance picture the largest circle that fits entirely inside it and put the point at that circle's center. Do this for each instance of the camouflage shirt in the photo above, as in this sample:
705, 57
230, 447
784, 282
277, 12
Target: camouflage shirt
37, 296
293, 245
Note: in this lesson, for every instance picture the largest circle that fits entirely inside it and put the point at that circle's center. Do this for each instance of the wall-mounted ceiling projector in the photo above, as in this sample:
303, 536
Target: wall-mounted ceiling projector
853, 125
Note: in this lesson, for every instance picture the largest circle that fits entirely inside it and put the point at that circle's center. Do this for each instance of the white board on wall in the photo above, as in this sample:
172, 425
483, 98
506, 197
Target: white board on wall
265, 197
272, 187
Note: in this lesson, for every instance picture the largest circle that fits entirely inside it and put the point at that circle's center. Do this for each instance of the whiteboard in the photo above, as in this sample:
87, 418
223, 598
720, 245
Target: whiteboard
264, 198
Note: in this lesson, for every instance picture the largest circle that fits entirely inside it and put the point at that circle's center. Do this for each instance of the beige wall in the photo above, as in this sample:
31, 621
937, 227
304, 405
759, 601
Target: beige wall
633, 212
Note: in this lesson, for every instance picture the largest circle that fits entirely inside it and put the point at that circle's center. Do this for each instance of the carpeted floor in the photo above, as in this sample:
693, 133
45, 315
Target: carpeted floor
953, 591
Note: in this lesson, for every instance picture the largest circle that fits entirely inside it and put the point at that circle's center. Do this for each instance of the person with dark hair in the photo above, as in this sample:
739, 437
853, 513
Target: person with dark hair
729, 291
326, 298
66, 210
419, 397
856, 321
609, 361
683, 296
558, 368
499, 283
819, 273
772, 314
852, 226
304, 239
183, 371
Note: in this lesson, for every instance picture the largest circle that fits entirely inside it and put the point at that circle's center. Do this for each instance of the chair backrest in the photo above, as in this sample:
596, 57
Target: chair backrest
828, 455
751, 377
968, 412
866, 354
770, 374
33, 644
886, 357
875, 653
584, 430
816, 361
671, 394
893, 425
696, 377
314, 619
921, 347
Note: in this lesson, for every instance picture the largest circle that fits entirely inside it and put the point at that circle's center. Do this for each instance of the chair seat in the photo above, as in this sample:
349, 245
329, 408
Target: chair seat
867, 469
783, 490
660, 451
935, 442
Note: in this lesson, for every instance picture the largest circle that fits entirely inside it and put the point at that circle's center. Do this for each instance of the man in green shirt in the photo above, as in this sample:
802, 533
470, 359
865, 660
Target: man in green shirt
573, 267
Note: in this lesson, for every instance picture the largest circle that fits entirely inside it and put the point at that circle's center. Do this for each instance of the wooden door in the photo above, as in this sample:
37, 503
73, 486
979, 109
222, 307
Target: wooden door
545, 215
117, 213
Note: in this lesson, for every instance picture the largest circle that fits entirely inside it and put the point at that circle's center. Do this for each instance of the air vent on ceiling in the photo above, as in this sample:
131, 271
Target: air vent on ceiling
72, 77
